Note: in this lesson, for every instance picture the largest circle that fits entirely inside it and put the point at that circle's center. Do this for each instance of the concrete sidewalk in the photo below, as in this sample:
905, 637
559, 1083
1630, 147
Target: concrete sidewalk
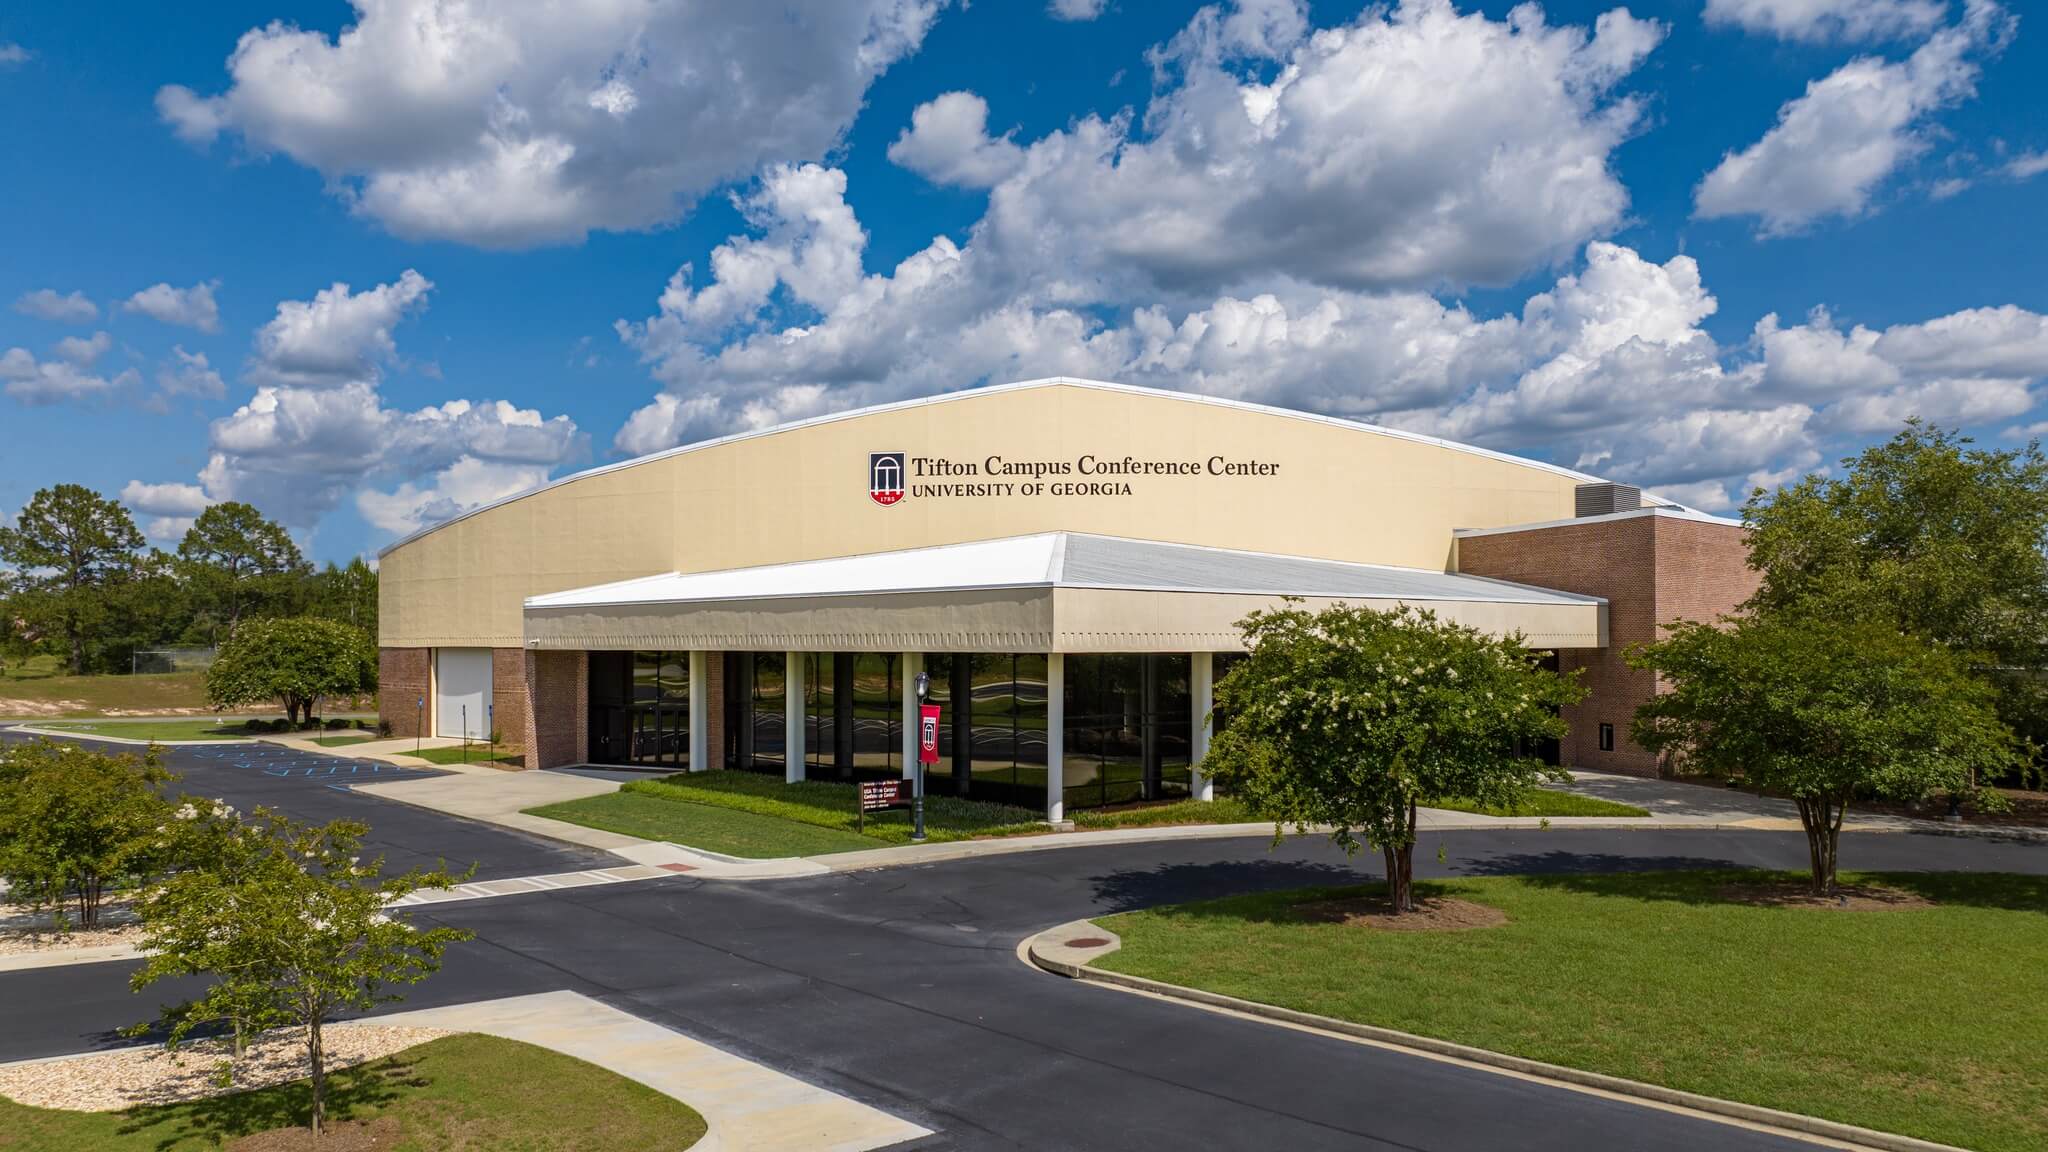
1677, 800
748, 1107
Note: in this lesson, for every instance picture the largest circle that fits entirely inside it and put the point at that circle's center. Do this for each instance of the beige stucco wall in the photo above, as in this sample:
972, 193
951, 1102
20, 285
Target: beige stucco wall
1340, 492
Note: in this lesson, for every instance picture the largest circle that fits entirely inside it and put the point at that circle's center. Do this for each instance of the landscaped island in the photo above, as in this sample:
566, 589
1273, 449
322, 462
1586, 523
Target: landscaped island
1909, 1011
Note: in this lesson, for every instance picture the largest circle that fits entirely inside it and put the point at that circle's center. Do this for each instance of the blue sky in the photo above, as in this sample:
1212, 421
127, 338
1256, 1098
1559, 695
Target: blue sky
1557, 231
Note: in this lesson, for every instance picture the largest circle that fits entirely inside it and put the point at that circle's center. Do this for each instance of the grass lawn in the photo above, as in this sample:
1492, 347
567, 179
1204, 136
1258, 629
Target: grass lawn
154, 729
344, 739
1547, 802
813, 804
1925, 1021
1222, 810
457, 1092
31, 695
715, 829
476, 754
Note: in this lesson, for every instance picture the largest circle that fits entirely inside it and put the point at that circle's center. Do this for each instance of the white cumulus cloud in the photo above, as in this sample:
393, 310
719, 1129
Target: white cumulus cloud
1835, 147
511, 125
1076, 9
192, 307
1820, 21
48, 304
339, 336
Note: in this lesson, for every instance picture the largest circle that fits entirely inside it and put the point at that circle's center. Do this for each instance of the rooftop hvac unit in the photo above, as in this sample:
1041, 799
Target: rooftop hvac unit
1602, 499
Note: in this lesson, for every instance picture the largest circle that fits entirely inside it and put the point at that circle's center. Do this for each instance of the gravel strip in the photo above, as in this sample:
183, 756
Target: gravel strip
111, 1081
23, 930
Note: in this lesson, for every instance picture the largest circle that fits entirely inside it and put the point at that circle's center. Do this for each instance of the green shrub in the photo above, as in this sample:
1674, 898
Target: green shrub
338, 723
73, 821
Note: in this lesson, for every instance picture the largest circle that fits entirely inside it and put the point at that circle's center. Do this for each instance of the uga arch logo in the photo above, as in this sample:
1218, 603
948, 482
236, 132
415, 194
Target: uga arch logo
885, 477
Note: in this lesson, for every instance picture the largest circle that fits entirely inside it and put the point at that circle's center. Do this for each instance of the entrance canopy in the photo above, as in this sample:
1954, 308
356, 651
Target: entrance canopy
1047, 592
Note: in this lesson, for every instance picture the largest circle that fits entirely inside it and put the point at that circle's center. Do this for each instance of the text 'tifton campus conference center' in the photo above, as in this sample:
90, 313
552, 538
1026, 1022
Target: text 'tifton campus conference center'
1066, 560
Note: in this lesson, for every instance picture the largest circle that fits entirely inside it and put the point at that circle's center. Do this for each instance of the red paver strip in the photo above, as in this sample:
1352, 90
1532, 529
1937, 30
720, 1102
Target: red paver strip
677, 867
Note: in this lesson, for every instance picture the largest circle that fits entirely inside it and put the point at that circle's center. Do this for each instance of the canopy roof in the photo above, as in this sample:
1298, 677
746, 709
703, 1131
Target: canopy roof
1047, 592
1061, 560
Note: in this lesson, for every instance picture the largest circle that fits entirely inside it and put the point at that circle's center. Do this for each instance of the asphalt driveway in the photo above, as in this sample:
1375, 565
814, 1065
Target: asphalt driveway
902, 988
312, 787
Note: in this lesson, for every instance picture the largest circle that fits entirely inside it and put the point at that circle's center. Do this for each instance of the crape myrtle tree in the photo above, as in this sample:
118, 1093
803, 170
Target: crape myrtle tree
289, 925
1941, 539
294, 660
1351, 717
74, 821
71, 550
1823, 710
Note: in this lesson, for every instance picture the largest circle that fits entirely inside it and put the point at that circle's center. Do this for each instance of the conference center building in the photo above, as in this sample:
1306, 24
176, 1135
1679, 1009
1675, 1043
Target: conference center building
1065, 561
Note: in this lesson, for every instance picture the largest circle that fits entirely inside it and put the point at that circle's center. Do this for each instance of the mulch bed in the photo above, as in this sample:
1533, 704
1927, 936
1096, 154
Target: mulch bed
1431, 914
1846, 898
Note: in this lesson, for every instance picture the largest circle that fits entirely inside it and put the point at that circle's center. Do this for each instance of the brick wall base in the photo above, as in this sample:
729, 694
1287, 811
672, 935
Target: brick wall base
402, 676
714, 689
557, 705
508, 694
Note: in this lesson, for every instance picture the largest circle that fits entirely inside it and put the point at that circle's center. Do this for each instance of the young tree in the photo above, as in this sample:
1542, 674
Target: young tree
1351, 717
1944, 540
295, 660
291, 927
1822, 710
70, 546
234, 561
72, 820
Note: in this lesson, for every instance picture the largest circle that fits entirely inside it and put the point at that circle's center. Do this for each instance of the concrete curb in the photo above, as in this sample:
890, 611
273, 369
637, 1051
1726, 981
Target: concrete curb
1048, 951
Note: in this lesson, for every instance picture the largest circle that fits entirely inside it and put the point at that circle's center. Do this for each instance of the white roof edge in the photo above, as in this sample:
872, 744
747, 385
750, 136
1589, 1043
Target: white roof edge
1676, 512
1013, 386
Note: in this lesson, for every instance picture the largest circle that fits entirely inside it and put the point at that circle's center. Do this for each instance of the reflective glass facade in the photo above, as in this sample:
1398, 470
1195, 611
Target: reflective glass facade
1128, 721
640, 709
1128, 728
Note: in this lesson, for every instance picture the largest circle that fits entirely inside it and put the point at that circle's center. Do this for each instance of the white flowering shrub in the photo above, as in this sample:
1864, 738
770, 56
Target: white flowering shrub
1350, 718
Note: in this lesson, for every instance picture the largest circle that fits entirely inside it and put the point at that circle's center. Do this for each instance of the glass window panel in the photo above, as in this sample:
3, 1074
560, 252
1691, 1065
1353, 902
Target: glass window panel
877, 704
769, 714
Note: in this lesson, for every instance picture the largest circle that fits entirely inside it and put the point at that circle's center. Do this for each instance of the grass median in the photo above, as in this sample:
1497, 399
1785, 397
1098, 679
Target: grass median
781, 819
1923, 1018
761, 817
464, 1091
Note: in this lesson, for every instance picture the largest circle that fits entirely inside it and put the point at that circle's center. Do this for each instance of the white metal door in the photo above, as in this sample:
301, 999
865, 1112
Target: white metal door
462, 692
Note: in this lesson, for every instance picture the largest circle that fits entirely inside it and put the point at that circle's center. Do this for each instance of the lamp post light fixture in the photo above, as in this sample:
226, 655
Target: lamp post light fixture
924, 686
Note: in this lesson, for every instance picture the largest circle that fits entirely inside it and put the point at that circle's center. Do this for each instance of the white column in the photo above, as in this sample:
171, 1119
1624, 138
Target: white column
792, 717
700, 711
1202, 694
908, 666
1055, 737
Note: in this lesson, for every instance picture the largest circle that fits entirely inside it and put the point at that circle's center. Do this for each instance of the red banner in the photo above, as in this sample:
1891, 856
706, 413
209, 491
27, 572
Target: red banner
928, 733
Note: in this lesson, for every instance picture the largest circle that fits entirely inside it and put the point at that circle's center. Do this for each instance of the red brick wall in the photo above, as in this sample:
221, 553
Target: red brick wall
1613, 559
508, 694
1703, 570
714, 692
401, 681
1651, 570
557, 688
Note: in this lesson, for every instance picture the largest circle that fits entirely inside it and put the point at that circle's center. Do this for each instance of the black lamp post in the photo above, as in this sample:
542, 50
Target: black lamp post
924, 684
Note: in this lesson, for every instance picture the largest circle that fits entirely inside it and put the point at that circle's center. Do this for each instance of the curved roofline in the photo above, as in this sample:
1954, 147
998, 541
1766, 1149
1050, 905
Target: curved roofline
1014, 386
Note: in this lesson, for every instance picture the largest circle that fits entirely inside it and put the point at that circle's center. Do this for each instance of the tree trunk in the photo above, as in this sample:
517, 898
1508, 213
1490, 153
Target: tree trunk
316, 1058
77, 651
1821, 817
1393, 863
